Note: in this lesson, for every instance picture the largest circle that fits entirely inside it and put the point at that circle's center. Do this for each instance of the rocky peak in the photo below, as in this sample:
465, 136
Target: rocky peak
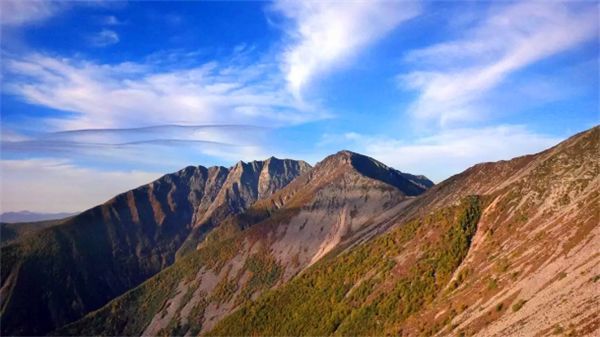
276, 172
410, 185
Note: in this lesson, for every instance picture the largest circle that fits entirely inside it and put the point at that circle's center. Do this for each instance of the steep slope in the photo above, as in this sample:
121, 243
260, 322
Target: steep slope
507, 248
343, 197
60, 273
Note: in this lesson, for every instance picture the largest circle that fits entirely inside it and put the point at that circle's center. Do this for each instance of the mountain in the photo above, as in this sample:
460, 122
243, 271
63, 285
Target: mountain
26, 216
351, 248
62, 272
502, 249
343, 199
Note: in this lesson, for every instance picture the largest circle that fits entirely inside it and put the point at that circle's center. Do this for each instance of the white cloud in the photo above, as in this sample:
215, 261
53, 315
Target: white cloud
21, 12
326, 33
112, 20
451, 151
141, 94
459, 74
103, 38
46, 185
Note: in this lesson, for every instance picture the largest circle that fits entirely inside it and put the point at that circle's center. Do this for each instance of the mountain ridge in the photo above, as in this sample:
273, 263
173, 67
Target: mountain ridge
473, 255
268, 244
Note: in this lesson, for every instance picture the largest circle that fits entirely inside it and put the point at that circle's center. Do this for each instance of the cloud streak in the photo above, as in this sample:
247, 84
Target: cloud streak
458, 75
150, 145
325, 33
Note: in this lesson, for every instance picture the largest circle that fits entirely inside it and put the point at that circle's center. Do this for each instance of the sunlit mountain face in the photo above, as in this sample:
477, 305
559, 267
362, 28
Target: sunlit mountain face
283, 168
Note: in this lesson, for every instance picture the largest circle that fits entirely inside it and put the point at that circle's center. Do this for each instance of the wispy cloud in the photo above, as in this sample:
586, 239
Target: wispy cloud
50, 185
448, 151
325, 33
22, 12
111, 20
457, 76
143, 93
105, 37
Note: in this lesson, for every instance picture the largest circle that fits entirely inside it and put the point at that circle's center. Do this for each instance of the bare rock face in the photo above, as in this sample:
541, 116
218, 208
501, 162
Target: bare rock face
277, 173
60, 273
238, 188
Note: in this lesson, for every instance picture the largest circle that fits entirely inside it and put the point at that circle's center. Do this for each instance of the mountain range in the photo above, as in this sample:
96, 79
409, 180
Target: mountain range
349, 247
27, 216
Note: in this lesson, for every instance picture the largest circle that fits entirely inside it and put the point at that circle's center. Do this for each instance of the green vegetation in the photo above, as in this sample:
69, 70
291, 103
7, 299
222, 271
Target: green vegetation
558, 330
492, 284
359, 293
518, 305
265, 271
224, 290
10, 232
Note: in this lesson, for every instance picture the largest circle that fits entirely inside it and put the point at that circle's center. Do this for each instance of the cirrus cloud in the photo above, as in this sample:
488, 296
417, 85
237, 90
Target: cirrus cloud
134, 94
456, 77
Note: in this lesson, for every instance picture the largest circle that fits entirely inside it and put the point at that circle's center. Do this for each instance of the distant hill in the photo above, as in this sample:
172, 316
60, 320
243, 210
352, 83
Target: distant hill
10, 232
27, 216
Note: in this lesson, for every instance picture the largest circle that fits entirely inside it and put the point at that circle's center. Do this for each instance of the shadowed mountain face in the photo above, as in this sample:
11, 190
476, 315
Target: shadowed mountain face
58, 274
506, 248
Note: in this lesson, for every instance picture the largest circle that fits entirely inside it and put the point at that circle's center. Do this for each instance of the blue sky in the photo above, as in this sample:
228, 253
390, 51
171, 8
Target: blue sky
99, 97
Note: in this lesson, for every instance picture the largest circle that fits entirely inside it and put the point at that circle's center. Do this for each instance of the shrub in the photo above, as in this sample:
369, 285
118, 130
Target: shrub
518, 305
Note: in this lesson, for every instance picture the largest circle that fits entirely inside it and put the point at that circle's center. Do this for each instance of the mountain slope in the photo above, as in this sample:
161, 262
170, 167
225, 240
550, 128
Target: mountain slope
60, 273
10, 232
264, 247
507, 248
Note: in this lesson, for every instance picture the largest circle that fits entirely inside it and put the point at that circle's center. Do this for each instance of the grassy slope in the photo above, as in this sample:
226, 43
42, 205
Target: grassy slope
335, 297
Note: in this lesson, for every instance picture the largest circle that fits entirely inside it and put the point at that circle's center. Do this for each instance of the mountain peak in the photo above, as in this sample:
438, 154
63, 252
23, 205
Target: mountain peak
411, 185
